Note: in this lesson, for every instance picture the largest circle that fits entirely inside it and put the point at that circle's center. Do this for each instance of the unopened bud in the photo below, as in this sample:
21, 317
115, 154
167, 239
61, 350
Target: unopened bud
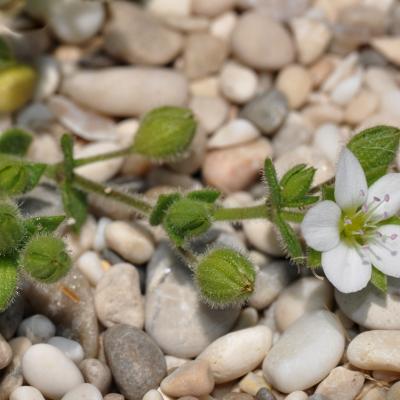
8, 281
11, 228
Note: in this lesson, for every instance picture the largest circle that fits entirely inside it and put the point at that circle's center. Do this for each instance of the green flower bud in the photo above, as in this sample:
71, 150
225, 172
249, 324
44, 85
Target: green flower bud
8, 281
225, 277
165, 133
185, 219
46, 259
17, 84
11, 227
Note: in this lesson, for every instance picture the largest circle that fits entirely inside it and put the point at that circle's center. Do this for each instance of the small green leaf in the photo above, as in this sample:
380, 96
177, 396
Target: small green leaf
8, 280
271, 180
164, 202
328, 192
313, 258
296, 183
379, 280
207, 195
37, 225
302, 202
75, 205
15, 141
67, 147
376, 149
35, 172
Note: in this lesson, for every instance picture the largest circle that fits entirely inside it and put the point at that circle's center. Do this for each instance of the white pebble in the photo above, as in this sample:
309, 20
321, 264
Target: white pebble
223, 26
70, 348
37, 328
49, 78
89, 264
85, 391
328, 140
297, 395
26, 393
347, 89
100, 239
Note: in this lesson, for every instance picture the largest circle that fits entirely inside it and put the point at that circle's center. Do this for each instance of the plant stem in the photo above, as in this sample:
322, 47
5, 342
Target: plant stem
136, 202
292, 216
78, 162
239, 213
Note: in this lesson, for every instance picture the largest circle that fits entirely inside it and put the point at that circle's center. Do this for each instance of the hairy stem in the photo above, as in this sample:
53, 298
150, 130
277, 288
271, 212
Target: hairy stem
78, 162
239, 213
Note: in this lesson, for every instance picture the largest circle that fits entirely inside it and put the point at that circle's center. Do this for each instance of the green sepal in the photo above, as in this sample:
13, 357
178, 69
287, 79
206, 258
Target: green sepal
15, 141
225, 277
313, 258
207, 195
36, 225
8, 280
328, 192
302, 202
67, 147
296, 183
75, 204
379, 280
271, 180
395, 220
164, 201
376, 149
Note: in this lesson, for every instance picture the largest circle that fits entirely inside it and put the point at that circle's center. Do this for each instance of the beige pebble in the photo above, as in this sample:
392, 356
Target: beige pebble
252, 383
6, 353
375, 393
321, 69
389, 47
208, 86
211, 8
96, 373
394, 392
321, 113
174, 362
387, 376
170, 7
361, 106
297, 395
222, 27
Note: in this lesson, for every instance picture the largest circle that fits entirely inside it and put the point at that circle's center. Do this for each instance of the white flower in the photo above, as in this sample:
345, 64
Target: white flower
351, 233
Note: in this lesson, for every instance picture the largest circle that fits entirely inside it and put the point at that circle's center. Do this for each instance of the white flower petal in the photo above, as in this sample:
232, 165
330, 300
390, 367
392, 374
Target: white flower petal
384, 196
350, 182
320, 226
345, 269
385, 250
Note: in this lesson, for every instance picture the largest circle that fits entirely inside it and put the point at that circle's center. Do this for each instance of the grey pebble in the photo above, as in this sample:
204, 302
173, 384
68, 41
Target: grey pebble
96, 373
11, 318
265, 394
237, 396
318, 397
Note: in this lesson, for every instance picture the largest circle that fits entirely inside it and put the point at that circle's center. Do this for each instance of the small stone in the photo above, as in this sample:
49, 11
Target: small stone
319, 342
26, 393
262, 33
194, 378
154, 44
19, 345
319, 114
267, 111
248, 318
235, 168
89, 264
295, 82
237, 353
252, 383
84, 391
222, 27
318, 397
392, 394
37, 328
118, 299
376, 349
96, 373
205, 87
137, 363
328, 140
61, 374
70, 348
341, 384
6, 353
170, 7
345, 91
210, 8
236, 131
238, 83
302, 297
265, 394
297, 395
114, 396
49, 78
45, 149
131, 241
153, 394
204, 54
235, 396
321, 69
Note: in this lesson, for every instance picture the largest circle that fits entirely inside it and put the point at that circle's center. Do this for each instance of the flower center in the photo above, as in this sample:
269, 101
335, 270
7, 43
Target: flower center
354, 228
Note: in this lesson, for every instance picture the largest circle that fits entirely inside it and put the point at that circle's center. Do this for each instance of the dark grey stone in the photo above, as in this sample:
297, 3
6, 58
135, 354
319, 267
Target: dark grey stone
265, 394
11, 318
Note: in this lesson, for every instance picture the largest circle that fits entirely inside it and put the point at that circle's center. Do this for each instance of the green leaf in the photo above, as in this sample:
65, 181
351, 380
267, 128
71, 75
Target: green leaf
35, 172
296, 183
328, 192
6, 56
302, 202
379, 280
12, 227
376, 149
75, 205
8, 280
271, 180
390, 221
67, 147
36, 225
15, 141
313, 258
207, 195
164, 202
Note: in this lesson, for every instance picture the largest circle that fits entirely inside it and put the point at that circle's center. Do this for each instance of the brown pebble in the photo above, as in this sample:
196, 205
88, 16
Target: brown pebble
237, 396
114, 396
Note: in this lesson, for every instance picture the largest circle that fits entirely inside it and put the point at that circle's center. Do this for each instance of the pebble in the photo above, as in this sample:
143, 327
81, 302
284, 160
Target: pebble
295, 82
222, 27
248, 318
322, 113
170, 7
117, 297
236, 131
153, 394
71, 348
114, 396
130, 91
234, 168
49, 78
297, 395
154, 43
210, 8
130, 241
237, 82
26, 393
37, 328
302, 297
341, 384
267, 111
252, 383
345, 91
265, 394
84, 391
61, 374
204, 54
237, 353
282, 10
6, 353
170, 290
375, 350
389, 47
208, 86
89, 264
137, 363
12, 317
317, 341
392, 394
194, 378
263, 33
371, 308
96, 373
328, 140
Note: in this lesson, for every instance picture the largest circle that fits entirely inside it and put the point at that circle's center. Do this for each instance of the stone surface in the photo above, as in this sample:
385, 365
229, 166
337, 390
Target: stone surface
137, 363
85, 391
37, 328
211, 8
89, 263
389, 47
26, 393
392, 394
252, 383
70, 348
12, 317
6, 353
297, 395
328, 140
317, 341
96, 373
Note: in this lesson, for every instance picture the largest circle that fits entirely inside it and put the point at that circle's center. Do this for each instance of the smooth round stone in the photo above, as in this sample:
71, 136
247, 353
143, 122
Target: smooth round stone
114, 396
89, 264
376, 350
37, 328
371, 308
237, 353
211, 8
222, 26
85, 391
265, 394
70, 348
267, 111
181, 8
392, 394
137, 363
364, 104
153, 394
254, 42
154, 43
61, 374
117, 297
49, 78
317, 341
96, 373
345, 91
302, 297
252, 383
26, 393
126, 91
297, 395
170, 291
328, 140
6, 353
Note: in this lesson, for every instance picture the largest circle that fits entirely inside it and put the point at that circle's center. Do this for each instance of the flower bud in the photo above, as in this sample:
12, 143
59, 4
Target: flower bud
8, 281
11, 227
46, 259
17, 84
165, 133
225, 277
